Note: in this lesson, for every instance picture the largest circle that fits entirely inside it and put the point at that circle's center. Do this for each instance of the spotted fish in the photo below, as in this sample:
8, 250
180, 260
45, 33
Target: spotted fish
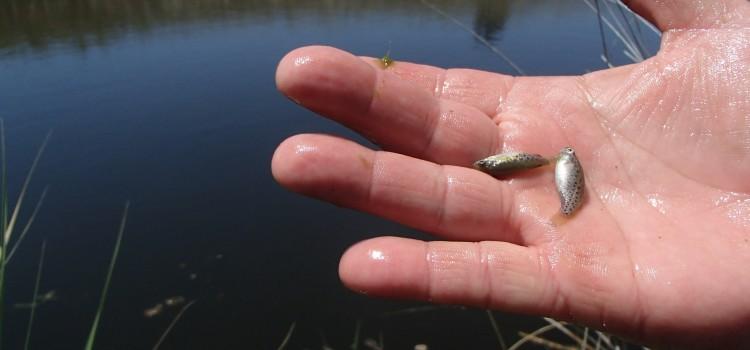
508, 162
569, 181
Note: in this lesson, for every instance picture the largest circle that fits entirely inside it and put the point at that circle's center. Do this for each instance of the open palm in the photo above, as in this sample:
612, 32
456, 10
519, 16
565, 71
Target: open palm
660, 249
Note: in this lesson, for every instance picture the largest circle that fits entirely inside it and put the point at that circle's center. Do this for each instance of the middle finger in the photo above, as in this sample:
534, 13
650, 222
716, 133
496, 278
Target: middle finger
395, 114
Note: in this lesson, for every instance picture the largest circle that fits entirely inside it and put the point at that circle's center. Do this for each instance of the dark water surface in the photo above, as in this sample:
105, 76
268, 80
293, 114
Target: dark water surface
172, 105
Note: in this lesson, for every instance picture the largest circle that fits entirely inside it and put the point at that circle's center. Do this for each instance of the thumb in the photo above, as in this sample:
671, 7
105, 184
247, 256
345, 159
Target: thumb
693, 14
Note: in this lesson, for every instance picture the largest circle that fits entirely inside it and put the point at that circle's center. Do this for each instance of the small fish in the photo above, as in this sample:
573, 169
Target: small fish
569, 181
508, 162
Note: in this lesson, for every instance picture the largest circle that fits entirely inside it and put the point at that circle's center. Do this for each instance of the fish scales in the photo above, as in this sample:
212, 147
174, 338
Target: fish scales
569, 181
509, 162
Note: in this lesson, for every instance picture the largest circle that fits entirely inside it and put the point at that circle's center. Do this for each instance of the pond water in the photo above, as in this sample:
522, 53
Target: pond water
172, 105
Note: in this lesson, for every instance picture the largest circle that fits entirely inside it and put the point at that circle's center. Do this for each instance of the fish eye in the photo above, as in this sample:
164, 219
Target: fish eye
568, 150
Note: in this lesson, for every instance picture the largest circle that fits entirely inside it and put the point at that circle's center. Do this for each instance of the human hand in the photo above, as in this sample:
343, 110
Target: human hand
658, 252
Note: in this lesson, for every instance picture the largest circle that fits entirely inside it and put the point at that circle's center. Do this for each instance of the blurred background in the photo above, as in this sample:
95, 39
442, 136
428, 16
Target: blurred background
172, 105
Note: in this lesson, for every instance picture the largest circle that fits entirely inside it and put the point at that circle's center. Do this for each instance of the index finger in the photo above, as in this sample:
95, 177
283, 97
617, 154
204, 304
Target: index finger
397, 114
484, 91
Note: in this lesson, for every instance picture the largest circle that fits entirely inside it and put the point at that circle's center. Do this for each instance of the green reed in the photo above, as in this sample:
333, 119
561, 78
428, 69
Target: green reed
105, 289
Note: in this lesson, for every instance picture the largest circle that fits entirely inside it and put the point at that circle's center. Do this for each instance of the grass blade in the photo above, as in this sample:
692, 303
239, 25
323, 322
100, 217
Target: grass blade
636, 38
357, 330
611, 27
476, 35
640, 18
7, 226
605, 338
565, 330
497, 330
95, 324
546, 343
585, 338
4, 224
527, 337
171, 325
14, 216
288, 336
28, 225
585, 343
3, 183
601, 34
34, 298
630, 44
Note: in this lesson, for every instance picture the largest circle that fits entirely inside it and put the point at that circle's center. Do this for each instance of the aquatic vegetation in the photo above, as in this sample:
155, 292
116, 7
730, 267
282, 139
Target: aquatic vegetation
550, 334
7, 251
8, 224
35, 297
287, 337
476, 36
625, 25
386, 61
496, 329
26, 228
176, 319
105, 289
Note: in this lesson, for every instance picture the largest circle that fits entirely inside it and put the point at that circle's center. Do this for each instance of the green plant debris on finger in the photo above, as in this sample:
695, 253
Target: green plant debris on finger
386, 61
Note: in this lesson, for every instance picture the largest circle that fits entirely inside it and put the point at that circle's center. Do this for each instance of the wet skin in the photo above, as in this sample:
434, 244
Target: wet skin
658, 251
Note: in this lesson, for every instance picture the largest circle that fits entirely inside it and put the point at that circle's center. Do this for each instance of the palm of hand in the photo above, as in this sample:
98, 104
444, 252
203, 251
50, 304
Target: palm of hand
659, 247
665, 237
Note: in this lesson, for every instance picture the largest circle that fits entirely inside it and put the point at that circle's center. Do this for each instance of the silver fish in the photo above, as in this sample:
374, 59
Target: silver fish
569, 181
508, 162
